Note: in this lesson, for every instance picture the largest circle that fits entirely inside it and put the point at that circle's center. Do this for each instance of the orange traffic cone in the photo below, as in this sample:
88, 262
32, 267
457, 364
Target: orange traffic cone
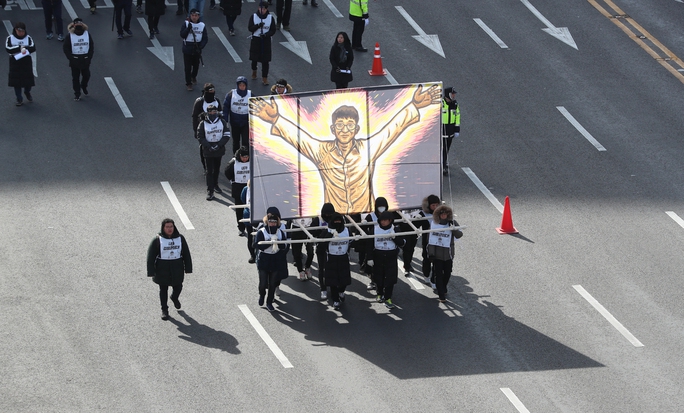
377, 63
507, 220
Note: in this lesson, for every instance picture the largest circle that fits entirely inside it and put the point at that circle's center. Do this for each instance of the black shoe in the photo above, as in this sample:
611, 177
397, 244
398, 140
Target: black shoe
138, 9
165, 315
270, 307
176, 303
28, 96
445, 171
129, 32
361, 49
251, 260
305, 2
217, 189
85, 90
77, 97
242, 233
261, 300
314, 4
19, 103
210, 195
156, 30
151, 34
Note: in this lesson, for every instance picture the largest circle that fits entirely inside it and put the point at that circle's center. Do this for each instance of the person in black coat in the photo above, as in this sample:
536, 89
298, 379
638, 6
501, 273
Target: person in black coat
337, 266
382, 256
168, 260
272, 258
79, 49
199, 109
195, 38
231, 9
262, 26
237, 171
154, 9
19, 43
213, 134
341, 59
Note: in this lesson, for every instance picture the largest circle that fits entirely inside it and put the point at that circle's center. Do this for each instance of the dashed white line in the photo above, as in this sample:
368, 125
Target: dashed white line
491, 33
612, 320
483, 189
264, 336
119, 99
227, 45
514, 399
580, 128
676, 218
333, 8
176, 205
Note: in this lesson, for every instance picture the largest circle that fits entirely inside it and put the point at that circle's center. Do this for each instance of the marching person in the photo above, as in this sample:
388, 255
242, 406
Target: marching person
327, 212
303, 268
199, 109
281, 88
341, 59
237, 171
126, 7
195, 37
381, 205
231, 9
262, 26
52, 9
236, 112
79, 49
154, 9
168, 260
314, 3
424, 220
249, 227
358, 13
440, 247
19, 45
272, 258
283, 11
451, 124
337, 268
383, 257
213, 134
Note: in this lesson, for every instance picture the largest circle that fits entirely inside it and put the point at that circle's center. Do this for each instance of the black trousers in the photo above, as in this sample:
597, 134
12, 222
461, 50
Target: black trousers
204, 163
191, 63
50, 10
442, 276
79, 79
264, 67
164, 294
213, 169
270, 279
357, 31
321, 257
427, 264
385, 273
153, 22
298, 256
240, 135
335, 292
126, 6
283, 10
446, 145
407, 252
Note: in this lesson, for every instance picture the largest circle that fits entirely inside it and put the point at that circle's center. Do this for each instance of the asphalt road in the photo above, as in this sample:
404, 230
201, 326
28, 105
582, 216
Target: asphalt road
579, 312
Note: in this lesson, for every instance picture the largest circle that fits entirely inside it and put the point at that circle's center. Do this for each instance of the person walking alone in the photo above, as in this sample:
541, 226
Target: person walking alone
19, 45
154, 9
195, 37
79, 49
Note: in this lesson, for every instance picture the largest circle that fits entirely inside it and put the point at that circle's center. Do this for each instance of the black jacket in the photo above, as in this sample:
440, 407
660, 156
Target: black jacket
80, 61
168, 272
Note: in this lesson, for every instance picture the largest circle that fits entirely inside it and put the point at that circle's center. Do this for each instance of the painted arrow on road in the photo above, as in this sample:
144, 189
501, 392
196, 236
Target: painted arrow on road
429, 40
164, 53
560, 33
297, 47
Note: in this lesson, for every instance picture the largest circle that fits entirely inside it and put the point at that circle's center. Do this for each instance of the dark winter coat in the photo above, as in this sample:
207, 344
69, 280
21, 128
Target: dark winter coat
272, 262
168, 272
236, 187
337, 268
260, 47
80, 61
20, 71
206, 145
191, 47
337, 55
231, 7
155, 7
443, 253
198, 109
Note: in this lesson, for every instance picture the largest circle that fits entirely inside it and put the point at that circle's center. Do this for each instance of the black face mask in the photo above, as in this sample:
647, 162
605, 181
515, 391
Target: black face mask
209, 96
337, 226
212, 116
272, 229
79, 30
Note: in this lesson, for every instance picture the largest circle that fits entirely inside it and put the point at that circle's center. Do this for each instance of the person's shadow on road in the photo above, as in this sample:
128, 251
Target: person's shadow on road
204, 335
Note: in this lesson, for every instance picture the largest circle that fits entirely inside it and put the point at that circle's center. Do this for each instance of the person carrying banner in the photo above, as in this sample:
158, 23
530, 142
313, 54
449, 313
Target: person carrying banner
237, 171
382, 257
440, 247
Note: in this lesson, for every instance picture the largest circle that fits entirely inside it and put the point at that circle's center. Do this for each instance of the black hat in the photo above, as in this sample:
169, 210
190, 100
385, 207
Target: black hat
449, 90
281, 83
263, 4
433, 199
78, 20
273, 211
243, 152
211, 108
208, 87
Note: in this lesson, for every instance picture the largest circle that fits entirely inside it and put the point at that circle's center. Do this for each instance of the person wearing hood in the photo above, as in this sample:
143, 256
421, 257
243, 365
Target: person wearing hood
422, 220
213, 134
296, 225
382, 257
19, 45
238, 171
440, 247
341, 59
79, 48
236, 111
199, 111
262, 25
381, 206
281, 88
271, 258
337, 268
327, 212
168, 260
195, 37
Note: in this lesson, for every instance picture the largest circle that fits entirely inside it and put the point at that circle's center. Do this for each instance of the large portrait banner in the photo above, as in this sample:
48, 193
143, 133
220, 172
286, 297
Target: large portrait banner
346, 147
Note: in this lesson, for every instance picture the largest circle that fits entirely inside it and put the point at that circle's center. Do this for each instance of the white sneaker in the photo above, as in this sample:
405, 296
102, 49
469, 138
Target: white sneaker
308, 273
336, 305
277, 291
341, 296
433, 285
302, 276
324, 295
427, 280
370, 286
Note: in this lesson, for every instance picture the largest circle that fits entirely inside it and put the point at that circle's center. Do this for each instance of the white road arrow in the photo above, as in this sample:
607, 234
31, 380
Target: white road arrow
560, 33
164, 53
429, 40
297, 47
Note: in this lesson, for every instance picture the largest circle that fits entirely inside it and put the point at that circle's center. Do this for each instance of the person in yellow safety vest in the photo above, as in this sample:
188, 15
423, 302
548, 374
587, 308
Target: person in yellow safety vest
358, 13
451, 124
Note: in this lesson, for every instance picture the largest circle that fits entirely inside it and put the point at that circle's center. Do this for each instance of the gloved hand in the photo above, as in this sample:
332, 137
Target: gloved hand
261, 24
456, 135
334, 233
370, 263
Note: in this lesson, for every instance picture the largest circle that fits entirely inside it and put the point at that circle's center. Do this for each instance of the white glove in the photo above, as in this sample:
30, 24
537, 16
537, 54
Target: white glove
370, 263
456, 135
334, 233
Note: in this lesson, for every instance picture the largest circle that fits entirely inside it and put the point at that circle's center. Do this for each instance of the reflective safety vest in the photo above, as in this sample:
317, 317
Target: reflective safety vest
358, 8
450, 116
239, 104
197, 29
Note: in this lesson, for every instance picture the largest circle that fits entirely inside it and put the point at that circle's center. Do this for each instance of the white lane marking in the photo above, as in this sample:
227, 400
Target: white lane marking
119, 99
676, 218
608, 316
414, 282
483, 189
332, 8
227, 45
580, 128
264, 336
70, 9
429, 40
390, 78
176, 205
491, 33
514, 399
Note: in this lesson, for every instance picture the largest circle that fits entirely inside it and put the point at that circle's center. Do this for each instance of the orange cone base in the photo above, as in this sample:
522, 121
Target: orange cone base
382, 73
510, 230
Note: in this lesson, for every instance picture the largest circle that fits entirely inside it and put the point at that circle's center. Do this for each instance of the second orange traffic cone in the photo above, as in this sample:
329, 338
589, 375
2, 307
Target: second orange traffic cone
507, 221
377, 63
